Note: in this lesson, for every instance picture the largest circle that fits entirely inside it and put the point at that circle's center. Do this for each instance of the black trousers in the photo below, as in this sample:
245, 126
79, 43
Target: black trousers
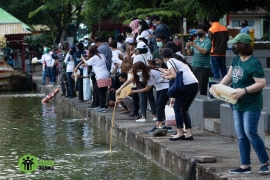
102, 96
202, 74
95, 94
161, 102
80, 88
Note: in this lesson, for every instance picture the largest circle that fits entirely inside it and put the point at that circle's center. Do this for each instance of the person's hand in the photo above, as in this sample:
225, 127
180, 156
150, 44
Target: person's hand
163, 76
131, 92
172, 102
240, 92
158, 61
121, 57
128, 50
118, 91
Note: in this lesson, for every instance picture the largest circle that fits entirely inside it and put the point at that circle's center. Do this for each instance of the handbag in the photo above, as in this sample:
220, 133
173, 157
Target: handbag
104, 82
176, 86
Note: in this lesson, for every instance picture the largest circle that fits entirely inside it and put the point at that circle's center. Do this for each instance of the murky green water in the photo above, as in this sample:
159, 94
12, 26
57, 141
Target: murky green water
80, 150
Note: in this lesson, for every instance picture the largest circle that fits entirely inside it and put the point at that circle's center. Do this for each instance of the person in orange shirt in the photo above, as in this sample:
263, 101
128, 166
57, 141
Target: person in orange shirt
219, 36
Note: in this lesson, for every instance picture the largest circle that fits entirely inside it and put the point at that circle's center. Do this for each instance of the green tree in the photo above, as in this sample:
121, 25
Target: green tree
61, 12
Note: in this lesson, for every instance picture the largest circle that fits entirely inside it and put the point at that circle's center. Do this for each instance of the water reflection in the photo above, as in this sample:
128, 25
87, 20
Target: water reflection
80, 150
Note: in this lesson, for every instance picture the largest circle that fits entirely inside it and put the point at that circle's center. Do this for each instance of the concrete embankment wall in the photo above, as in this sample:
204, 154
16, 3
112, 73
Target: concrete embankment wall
167, 156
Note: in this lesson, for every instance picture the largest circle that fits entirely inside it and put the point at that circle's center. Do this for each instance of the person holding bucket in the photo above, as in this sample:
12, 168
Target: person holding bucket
247, 76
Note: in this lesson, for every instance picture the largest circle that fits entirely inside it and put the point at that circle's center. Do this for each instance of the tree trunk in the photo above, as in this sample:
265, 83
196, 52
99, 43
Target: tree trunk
59, 35
182, 33
99, 18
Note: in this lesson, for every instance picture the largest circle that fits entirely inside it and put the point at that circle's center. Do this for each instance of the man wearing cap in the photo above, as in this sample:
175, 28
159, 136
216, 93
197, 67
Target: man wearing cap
247, 77
160, 29
219, 36
47, 58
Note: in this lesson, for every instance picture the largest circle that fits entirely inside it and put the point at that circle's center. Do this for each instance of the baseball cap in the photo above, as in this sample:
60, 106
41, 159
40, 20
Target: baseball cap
130, 40
241, 38
141, 45
46, 49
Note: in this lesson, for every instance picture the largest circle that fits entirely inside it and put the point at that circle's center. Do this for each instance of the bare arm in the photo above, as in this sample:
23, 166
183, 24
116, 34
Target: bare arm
118, 91
257, 86
228, 78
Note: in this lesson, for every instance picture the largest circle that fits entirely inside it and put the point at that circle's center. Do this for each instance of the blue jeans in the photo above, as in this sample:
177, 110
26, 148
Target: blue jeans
52, 74
246, 123
71, 84
44, 76
143, 101
218, 63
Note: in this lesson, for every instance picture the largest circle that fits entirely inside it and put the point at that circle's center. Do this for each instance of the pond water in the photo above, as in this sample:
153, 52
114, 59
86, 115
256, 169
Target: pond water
79, 150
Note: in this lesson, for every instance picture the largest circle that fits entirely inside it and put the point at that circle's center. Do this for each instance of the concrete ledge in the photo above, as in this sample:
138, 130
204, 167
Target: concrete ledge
203, 107
227, 123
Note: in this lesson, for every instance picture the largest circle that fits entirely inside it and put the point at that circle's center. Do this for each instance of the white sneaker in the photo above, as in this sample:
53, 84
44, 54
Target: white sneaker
101, 110
155, 119
50, 85
141, 120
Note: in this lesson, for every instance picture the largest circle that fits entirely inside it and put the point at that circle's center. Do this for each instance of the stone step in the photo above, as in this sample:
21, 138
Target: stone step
227, 123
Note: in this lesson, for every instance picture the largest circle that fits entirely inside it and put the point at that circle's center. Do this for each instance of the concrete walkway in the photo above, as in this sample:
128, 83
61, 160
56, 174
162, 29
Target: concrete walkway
175, 156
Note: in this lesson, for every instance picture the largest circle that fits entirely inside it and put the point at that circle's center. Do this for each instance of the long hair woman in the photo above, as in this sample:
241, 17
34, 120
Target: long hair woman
98, 63
151, 77
184, 100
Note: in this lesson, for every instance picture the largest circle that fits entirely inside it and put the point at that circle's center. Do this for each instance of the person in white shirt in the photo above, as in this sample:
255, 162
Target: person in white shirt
98, 63
51, 70
144, 31
69, 71
185, 99
116, 62
152, 77
143, 55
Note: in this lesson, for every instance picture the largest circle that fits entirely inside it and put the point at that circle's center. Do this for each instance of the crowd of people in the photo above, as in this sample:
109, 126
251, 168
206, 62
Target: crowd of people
145, 58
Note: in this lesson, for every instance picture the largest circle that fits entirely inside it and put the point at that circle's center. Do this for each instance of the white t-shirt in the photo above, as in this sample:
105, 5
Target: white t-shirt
48, 59
116, 60
69, 62
157, 81
143, 58
180, 54
188, 76
145, 34
99, 67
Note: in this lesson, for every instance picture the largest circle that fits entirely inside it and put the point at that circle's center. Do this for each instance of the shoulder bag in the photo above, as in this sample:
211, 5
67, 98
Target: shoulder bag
176, 86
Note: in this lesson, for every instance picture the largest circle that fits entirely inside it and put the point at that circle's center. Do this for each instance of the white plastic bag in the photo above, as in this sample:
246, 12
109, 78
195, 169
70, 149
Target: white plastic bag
170, 116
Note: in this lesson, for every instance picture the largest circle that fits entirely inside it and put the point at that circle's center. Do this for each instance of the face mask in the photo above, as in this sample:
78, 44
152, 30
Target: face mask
235, 50
140, 28
86, 41
200, 34
159, 44
51, 52
175, 37
154, 24
139, 74
148, 21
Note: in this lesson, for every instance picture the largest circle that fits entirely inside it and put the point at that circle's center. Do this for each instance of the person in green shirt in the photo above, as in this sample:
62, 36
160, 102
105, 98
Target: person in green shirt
161, 41
200, 49
247, 77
